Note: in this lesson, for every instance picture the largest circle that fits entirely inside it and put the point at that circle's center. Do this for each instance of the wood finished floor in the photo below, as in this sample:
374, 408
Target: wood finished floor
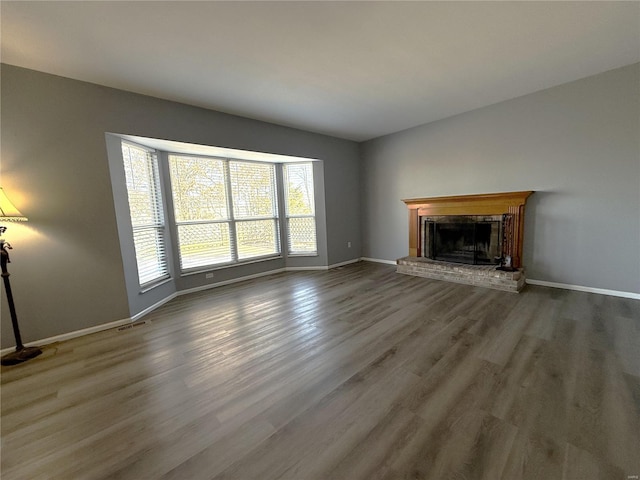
354, 373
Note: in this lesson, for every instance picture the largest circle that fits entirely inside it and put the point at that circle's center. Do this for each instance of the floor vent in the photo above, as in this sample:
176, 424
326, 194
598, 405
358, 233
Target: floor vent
131, 326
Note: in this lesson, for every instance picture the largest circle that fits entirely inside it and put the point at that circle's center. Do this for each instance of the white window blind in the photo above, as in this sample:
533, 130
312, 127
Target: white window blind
145, 207
255, 209
226, 211
300, 208
201, 206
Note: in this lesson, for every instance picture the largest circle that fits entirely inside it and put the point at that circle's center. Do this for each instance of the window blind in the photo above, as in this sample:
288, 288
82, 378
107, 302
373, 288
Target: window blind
300, 208
255, 209
226, 210
145, 208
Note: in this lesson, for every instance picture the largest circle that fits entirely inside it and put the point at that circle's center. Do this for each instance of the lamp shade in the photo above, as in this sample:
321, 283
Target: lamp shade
8, 211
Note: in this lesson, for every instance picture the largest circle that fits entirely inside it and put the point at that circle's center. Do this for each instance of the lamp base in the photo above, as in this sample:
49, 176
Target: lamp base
20, 355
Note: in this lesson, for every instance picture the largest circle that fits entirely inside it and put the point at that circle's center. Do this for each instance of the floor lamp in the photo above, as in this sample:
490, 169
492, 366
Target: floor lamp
8, 212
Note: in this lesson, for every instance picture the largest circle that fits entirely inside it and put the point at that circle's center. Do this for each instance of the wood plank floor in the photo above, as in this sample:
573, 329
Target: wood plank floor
354, 373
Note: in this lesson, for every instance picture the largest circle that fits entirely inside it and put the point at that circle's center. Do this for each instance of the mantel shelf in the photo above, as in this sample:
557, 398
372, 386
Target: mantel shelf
478, 204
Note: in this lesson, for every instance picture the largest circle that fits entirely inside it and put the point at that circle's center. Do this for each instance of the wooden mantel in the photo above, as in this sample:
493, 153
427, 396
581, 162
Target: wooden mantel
510, 203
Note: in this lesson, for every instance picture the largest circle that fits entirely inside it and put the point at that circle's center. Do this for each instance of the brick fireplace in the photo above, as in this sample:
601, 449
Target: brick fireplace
473, 239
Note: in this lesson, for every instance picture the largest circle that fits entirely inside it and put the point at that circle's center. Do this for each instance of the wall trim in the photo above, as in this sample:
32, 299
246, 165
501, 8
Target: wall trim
580, 288
70, 335
544, 283
323, 267
300, 269
146, 311
378, 260
139, 315
342, 264
229, 282
151, 308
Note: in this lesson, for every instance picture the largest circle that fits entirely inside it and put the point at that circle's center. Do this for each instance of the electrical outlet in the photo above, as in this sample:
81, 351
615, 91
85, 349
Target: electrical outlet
209, 275
348, 244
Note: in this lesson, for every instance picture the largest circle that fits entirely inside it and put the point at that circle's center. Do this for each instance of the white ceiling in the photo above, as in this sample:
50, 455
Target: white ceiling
354, 70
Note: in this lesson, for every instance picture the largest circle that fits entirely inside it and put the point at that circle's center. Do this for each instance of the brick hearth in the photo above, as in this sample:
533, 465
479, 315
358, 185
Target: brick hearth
479, 275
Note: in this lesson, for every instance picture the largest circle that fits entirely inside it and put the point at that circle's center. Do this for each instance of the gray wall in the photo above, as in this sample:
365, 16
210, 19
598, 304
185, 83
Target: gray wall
67, 271
577, 145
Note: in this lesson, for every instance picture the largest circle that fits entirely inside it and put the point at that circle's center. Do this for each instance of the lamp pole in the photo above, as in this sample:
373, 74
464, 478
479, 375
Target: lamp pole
21, 353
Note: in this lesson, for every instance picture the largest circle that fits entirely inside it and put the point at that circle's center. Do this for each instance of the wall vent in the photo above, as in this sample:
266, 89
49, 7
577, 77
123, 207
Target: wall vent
130, 326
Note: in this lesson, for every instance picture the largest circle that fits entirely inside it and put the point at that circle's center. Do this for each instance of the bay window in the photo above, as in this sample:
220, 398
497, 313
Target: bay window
225, 207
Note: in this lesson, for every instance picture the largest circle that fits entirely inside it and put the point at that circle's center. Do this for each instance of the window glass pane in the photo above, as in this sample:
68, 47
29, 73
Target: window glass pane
257, 238
299, 189
150, 254
302, 235
198, 188
204, 244
253, 187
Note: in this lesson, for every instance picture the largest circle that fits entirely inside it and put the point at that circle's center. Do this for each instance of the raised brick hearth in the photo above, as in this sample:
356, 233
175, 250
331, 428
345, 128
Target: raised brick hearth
479, 275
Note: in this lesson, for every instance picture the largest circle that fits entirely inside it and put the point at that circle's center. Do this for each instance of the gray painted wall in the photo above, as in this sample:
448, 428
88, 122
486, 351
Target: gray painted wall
577, 145
67, 270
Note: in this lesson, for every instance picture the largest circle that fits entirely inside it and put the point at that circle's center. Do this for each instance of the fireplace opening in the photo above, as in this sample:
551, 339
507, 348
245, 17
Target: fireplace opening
470, 239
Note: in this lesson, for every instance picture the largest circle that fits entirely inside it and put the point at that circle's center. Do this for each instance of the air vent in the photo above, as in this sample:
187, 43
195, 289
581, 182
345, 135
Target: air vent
131, 326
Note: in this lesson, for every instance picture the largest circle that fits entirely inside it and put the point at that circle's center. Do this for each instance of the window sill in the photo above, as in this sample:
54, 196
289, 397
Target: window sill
150, 286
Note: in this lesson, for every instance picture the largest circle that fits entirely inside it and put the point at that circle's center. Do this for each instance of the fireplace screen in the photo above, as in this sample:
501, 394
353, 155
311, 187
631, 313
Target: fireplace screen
470, 239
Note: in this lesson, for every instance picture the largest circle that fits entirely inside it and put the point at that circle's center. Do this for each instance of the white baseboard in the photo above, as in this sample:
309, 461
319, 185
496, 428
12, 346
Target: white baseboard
137, 316
342, 264
321, 267
70, 335
580, 288
150, 309
242, 279
378, 260
305, 269
229, 282
146, 311
543, 283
